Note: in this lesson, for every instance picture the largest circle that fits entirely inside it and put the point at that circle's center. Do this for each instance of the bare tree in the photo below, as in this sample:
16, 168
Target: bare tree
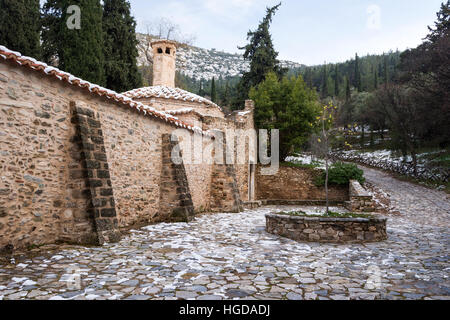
321, 142
162, 29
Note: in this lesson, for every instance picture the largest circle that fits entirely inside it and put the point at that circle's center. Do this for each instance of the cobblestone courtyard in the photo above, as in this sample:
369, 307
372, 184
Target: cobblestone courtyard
229, 256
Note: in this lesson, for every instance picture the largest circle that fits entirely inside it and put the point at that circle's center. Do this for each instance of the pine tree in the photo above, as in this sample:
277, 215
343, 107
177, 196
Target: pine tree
262, 56
120, 46
213, 90
20, 26
442, 25
77, 51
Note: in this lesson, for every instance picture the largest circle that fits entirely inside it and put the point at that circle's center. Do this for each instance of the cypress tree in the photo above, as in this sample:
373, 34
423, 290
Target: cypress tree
226, 95
325, 82
348, 93
20, 26
358, 83
120, 46
262, 56
77, 51
385, 72
213, 90
375, 80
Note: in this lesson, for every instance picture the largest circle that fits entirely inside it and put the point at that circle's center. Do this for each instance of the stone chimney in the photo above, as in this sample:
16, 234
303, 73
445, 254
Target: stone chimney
164, 56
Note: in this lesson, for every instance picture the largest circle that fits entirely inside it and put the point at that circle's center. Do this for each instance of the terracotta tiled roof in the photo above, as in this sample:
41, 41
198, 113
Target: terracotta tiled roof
168, 93
180, 111
33, 64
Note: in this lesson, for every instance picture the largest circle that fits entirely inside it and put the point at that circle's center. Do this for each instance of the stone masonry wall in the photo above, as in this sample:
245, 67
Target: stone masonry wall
42, 200
225, 196
175, 197
96, 170
314, 229
295, 184
360, 199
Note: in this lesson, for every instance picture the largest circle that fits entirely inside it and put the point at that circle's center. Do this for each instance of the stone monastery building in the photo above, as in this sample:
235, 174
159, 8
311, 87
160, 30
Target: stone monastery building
79, 162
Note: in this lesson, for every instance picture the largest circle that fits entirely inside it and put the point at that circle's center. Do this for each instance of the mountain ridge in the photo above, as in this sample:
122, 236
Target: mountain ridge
199, 63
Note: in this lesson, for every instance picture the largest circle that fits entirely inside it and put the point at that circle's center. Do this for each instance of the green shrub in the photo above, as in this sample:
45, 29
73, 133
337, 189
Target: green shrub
340, 174
313, 165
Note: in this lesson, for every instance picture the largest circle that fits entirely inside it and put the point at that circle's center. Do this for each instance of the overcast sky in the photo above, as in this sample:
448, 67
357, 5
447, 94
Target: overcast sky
304, 31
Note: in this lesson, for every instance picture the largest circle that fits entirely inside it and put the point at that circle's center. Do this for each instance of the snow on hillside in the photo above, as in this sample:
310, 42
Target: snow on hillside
201, 63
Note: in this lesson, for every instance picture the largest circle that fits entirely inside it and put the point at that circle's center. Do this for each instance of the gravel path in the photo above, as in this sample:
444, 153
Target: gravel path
230, 256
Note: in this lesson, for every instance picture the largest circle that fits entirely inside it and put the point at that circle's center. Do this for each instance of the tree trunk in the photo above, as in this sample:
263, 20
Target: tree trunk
414, 158
372, 142
326, 183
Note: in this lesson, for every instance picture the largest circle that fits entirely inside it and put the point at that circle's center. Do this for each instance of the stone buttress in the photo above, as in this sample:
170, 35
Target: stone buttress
97, 174
175, 197
225, 196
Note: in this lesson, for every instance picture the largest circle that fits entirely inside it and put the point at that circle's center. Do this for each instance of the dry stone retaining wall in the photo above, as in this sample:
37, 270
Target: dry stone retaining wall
360, 199
291, 183
315, 229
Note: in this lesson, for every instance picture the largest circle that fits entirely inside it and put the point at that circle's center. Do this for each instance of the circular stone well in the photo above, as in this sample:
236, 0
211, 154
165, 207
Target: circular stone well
327, 229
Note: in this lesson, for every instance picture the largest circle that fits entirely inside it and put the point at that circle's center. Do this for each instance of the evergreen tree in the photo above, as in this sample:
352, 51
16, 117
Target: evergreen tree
226, 95
262, 56
201, 90
442, 25
358, 83
385, 71
77, 51
309, 78
325, 82
375, 80
120, 46
336, 81
20, 26
213, 90
288, 105
348, 93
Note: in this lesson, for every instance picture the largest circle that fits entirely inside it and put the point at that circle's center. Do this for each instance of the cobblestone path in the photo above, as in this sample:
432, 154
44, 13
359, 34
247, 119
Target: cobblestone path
230, 256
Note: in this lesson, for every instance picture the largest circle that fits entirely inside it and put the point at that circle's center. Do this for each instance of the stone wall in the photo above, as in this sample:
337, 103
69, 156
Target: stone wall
175, 204
225, 196
291, 183
360, 199
46, 192
314, 229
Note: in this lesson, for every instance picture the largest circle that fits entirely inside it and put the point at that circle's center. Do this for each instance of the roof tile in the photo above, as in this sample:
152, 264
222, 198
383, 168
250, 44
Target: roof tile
35, 65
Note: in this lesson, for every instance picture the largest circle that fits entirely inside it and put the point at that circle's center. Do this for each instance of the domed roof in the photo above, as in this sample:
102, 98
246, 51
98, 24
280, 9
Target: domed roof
168, 93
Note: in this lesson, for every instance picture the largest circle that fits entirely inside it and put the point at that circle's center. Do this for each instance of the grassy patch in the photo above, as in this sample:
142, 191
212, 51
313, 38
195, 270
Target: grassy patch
329, 215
